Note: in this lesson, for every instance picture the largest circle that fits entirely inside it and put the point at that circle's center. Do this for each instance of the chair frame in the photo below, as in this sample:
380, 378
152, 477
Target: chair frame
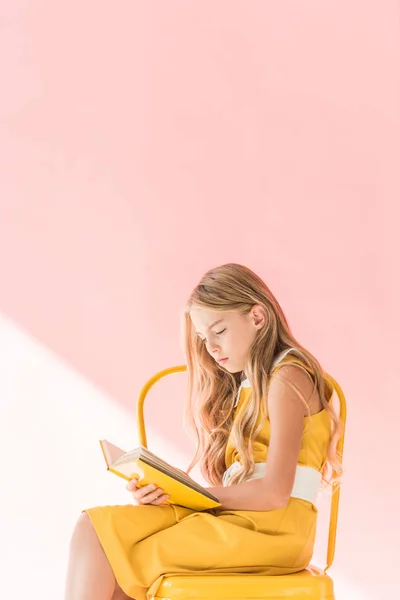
335, 495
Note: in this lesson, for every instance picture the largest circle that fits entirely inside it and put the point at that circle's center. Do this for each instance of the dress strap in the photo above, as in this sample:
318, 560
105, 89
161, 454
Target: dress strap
282, 355
245, 383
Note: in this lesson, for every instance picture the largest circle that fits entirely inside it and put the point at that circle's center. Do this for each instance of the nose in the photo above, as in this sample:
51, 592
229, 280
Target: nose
214, 348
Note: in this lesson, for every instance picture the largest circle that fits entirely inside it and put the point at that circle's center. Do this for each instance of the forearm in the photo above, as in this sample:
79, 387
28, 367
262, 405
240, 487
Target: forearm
250, 495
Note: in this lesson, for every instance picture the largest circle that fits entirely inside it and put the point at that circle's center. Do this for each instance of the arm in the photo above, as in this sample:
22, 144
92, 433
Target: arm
286, 415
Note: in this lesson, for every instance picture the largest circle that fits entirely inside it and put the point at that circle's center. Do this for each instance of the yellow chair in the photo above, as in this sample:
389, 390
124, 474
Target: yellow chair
311, 583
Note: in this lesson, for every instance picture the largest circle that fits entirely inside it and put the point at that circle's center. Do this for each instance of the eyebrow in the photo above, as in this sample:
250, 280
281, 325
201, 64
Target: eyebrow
212, 325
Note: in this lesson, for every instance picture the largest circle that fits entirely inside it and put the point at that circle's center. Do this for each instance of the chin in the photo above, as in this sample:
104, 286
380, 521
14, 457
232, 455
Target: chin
232, 369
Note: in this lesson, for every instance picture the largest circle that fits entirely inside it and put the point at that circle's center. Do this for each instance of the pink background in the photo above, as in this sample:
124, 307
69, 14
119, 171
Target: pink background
145, 142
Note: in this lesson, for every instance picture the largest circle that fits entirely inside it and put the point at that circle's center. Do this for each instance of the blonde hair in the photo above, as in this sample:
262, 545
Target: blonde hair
212, 390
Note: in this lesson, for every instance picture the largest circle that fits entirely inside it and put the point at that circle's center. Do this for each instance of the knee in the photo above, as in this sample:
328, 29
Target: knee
83, 533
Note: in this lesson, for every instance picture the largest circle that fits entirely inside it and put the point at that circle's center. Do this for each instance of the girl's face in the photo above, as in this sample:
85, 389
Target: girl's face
228, 335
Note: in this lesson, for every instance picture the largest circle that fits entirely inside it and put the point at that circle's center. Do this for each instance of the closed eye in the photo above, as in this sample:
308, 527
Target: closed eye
216, 333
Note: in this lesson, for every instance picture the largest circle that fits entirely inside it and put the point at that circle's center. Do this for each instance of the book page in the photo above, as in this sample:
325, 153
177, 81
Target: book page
111, 453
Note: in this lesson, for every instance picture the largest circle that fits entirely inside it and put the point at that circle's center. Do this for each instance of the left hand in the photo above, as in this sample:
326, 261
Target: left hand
148, 494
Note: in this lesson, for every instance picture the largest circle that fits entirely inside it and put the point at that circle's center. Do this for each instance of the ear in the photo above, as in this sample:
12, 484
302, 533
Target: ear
259, 316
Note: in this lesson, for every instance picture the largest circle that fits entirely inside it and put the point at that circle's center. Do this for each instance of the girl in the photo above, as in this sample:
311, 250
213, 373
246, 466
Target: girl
267, 434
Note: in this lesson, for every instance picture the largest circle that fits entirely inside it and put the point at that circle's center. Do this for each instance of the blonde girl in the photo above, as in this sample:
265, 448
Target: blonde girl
260, 407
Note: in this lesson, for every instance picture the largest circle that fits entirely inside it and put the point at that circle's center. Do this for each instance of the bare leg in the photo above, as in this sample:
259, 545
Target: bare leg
89, 575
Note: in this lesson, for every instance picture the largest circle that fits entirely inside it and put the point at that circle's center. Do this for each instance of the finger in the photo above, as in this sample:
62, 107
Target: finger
141, 492
161, 500
131, 485
153, 497
145, 490
149, 498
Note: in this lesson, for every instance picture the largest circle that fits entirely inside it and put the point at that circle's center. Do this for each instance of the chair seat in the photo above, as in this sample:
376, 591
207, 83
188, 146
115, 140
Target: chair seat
310, 584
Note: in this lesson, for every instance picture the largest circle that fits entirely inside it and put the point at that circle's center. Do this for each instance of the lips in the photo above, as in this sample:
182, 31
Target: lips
222, 360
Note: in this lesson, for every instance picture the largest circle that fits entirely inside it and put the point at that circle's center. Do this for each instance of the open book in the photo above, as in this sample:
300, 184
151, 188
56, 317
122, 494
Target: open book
145, 466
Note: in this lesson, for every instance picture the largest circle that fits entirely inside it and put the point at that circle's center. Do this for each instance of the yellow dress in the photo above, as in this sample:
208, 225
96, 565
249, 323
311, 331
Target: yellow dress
144, 543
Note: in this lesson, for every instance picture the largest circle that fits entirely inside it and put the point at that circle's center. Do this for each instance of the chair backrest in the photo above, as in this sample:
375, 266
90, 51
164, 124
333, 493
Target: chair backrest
335, 487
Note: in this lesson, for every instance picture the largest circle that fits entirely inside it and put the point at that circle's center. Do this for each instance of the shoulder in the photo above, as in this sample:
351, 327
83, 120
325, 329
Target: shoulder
293, 372
291, 387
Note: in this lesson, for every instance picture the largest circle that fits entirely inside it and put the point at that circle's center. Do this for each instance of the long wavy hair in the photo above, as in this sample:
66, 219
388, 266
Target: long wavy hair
212, 390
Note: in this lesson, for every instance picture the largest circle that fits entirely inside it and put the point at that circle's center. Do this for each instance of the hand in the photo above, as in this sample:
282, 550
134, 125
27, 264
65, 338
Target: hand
148, 494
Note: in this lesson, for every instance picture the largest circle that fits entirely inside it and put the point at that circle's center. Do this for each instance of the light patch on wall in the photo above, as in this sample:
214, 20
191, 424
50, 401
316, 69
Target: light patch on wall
51, 420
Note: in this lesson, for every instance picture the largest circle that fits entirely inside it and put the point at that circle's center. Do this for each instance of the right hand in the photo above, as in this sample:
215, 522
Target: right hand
148, 494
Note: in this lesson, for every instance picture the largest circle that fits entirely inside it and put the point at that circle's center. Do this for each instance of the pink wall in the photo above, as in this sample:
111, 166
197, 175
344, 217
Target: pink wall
144, 142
